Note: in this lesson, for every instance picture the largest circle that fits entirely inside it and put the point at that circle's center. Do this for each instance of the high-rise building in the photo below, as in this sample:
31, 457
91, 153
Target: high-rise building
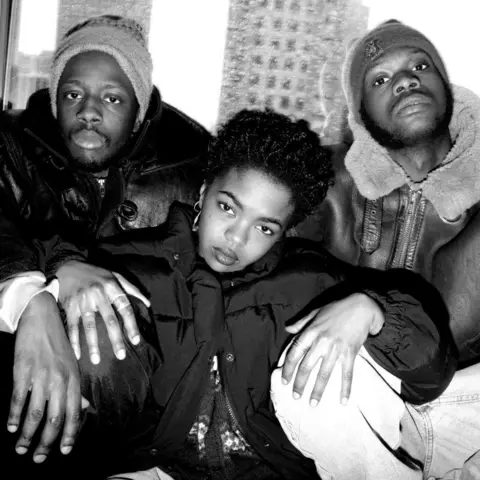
287, 55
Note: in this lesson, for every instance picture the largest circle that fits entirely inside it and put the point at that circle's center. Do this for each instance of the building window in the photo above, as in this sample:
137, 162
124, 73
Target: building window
289, 64
252, 99
271, 81
287, 84
254, 79
273, 63
275, 43
284, 102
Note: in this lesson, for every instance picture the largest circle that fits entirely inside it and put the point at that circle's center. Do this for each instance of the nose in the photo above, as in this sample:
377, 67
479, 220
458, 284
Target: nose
236, 235
89, 112
405, 82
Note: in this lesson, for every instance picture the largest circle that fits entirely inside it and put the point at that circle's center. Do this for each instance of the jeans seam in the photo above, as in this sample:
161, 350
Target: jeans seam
428, 441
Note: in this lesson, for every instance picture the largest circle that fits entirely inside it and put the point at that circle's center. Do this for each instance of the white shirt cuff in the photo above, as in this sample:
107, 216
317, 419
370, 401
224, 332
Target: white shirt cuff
15, 294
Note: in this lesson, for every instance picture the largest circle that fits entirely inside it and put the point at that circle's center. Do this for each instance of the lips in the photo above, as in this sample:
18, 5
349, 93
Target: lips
88, 139
411, 103
225, 257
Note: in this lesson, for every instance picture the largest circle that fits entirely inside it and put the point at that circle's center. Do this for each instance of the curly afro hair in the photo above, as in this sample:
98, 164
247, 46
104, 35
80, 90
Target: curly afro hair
284, 149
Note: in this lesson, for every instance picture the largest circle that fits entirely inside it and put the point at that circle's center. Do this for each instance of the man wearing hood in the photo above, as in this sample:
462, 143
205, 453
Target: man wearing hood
406, 195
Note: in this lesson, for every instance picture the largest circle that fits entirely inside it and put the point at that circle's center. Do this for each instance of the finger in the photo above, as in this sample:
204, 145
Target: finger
299, 347
90, 327
328, 363
298, 326
347, 375
74, 407
314, 355
35, 411
85, 403
73, 320
125, 310
21, 386
131, 289
54, 422
113, 328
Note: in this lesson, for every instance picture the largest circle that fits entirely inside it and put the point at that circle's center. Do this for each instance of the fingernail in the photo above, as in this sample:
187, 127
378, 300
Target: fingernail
136, 339
313, 402
344, 400
95, 358
77, 354
121, 354
284, 381
66, 450
12, 428
21, 450
39, 458
296, 395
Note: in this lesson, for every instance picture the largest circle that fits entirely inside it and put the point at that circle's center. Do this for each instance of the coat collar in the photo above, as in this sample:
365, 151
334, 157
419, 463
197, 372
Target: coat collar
452, 188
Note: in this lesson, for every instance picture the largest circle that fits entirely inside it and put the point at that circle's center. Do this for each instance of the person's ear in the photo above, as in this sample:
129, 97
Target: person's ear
203, 191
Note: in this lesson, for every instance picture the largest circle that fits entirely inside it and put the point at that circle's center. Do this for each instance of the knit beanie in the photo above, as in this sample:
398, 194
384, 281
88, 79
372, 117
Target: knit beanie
123, 39
388, 35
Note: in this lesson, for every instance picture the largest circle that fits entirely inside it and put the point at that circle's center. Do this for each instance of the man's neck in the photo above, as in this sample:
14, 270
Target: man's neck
421, 159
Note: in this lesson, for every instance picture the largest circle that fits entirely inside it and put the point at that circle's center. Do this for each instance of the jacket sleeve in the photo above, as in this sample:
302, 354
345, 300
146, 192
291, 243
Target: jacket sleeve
415, 343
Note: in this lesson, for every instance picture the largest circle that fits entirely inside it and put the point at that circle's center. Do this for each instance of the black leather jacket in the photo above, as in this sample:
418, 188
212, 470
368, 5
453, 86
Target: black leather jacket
42, 197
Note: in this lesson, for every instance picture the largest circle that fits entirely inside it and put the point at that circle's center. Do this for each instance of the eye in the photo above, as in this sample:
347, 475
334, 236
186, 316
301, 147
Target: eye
73, 95
420, 66
265, 230
226, 208
380, 80
112, 99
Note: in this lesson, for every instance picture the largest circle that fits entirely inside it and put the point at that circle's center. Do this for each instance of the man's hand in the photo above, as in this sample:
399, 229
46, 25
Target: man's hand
45, 365
86, 290
335, 332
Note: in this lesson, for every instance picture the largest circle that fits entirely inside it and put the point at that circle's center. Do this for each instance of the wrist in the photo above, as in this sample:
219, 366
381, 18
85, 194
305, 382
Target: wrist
375, 312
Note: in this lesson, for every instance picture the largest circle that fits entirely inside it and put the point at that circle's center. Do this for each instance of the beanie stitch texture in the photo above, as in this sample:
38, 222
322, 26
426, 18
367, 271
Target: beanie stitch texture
119, 37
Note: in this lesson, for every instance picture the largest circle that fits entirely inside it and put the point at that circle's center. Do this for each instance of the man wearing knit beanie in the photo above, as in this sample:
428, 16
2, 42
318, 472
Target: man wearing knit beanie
407, 195
96, 154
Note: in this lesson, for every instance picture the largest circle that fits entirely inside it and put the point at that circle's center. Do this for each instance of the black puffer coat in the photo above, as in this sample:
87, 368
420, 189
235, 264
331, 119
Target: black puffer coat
241, 318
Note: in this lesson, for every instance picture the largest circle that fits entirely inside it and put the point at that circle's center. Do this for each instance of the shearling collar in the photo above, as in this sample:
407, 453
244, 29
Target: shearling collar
452, 188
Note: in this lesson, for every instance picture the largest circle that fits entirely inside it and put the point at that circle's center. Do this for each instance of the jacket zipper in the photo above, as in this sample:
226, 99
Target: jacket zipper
231, 413
401, 252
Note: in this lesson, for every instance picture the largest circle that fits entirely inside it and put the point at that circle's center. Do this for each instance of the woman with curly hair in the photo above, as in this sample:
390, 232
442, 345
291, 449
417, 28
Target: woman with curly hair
192, 400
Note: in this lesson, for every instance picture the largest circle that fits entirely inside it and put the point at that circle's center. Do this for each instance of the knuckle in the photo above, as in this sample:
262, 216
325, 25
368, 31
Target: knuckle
36, 415
90, 325
17, 398
111, 321
56, 421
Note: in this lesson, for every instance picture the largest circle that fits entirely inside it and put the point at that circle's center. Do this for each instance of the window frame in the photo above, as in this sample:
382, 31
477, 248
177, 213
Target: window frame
6, 9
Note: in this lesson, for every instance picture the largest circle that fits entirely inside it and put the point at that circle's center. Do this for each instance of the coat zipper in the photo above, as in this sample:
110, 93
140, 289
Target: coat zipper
400, 258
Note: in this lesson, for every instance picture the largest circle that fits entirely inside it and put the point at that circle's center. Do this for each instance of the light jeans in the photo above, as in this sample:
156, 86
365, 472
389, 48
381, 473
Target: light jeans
377, 436
152, 474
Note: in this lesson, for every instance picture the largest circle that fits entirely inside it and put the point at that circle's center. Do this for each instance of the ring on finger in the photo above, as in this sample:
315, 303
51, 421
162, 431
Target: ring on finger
120, 302
88, 314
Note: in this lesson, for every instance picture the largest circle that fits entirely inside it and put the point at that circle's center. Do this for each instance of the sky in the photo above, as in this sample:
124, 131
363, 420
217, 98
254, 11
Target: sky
187, 40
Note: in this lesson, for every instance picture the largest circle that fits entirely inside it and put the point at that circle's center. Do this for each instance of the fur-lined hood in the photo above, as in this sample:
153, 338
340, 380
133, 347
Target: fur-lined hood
452, 188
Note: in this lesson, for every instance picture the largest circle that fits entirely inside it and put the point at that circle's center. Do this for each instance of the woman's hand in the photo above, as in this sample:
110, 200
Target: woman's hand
333, 333
87, 291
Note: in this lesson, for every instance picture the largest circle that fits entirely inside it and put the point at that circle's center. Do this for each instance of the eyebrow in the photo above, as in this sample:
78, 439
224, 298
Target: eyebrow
375, 63
240, 206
